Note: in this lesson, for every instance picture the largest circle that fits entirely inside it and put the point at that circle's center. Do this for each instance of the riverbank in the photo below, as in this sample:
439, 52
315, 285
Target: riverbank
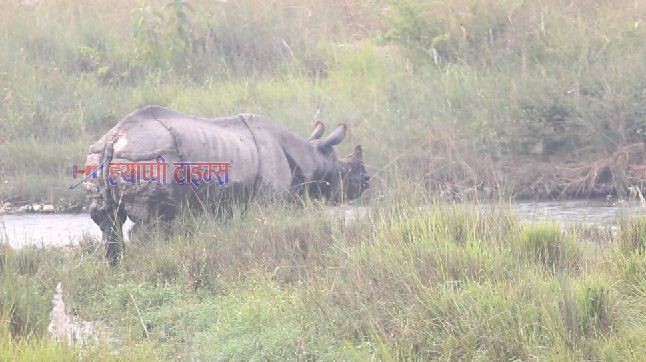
293, 283
36, 208
600, 216
615, 179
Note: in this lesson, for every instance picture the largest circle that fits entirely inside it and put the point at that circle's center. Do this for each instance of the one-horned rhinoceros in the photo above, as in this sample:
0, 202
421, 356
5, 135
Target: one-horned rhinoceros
265, 160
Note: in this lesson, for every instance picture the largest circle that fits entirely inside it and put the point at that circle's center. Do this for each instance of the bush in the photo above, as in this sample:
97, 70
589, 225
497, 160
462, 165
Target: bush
546, 244
459, 31
632, 234
588, 309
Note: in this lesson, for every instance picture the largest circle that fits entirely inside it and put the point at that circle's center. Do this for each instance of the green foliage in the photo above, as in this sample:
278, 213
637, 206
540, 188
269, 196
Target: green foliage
549, 246
588, 308
555, 77
263, 322
180, 10
632, 234
297, 283
24, 305
162, 35
631, 270
628, 346
147, 32
458, 31
449, 81
430, 89
32, 349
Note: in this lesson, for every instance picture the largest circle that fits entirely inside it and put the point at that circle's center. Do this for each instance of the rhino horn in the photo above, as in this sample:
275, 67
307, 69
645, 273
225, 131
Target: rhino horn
319, 128
334, 138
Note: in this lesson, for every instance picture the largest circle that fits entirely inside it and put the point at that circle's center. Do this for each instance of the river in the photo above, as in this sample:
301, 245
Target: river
61, 229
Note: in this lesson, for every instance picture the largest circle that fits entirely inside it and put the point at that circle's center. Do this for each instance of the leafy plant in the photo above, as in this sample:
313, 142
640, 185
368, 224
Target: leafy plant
147, 31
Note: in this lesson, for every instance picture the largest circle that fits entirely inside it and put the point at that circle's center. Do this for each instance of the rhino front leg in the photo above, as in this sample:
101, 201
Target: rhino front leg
110, 222
114, 239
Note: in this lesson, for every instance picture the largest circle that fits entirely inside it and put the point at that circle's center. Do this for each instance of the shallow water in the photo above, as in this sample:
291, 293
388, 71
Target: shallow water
62, 229
592, 212
48, 229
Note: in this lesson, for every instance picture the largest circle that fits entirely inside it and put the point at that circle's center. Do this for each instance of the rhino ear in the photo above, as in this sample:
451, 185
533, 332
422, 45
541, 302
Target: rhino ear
319, 128
335, 137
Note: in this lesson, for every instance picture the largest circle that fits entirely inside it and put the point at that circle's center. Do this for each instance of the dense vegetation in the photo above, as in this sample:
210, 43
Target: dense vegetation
278, 283
451, 99
522, 98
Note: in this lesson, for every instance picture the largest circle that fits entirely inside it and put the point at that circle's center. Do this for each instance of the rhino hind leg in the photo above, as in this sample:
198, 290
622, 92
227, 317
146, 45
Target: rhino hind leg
148, 215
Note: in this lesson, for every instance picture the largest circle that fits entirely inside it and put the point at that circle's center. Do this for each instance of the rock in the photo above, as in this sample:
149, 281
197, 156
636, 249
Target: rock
71, 208
25, 208
37, 208
48, 208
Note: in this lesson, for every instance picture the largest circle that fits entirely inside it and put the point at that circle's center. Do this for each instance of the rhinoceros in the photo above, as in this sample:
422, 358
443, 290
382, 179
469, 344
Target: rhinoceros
264, 159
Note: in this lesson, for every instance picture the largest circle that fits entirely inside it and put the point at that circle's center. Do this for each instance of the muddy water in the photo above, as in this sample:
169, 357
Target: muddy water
61, 229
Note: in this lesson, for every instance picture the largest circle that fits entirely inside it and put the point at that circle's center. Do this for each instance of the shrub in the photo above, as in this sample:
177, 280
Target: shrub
632, 234
546, 244
588, 309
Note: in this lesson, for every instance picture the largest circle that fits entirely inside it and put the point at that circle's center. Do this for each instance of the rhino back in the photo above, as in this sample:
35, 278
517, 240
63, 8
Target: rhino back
256, 148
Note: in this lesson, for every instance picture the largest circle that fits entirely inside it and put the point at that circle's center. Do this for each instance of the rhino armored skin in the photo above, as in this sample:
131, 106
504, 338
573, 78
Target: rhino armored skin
267, 160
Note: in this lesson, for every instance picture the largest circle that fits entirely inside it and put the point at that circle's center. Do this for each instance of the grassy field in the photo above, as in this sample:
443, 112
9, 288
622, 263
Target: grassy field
450, 100
443, 282
506, 97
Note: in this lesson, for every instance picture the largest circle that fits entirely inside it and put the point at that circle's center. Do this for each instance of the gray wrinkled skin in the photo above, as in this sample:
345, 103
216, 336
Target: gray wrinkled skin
271, 162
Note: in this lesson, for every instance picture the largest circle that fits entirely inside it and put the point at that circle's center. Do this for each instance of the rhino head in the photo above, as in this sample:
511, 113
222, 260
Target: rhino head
344, 178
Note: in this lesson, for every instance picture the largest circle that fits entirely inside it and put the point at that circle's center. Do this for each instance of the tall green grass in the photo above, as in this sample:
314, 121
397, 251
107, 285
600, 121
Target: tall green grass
437, 94
403, 282
431, 88
632, 236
